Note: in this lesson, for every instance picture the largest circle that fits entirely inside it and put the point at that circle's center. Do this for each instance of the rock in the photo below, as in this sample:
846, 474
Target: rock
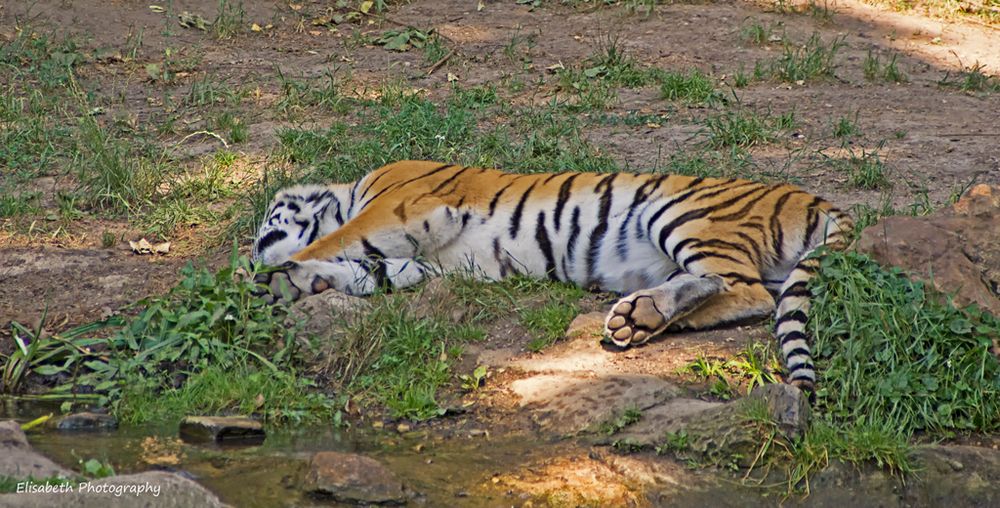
18, 460
570, 403
351, 478
159, 490
322, 315
715, 431
221, 428
956, 249
84, 421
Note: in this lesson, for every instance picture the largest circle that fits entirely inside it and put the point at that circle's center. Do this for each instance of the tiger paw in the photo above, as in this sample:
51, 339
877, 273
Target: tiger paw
281, 284
633, 320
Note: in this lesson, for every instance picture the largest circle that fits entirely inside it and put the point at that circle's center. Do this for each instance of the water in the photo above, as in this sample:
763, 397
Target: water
444, 468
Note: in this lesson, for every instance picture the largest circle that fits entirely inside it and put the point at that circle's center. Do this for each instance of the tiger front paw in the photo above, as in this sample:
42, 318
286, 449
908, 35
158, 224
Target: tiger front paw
633, 320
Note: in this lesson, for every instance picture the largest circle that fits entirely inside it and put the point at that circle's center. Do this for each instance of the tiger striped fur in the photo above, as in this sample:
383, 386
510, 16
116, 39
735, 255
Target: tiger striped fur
687, 252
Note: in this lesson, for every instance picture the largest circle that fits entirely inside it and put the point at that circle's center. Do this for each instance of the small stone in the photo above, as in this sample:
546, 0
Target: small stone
221, 428
84, 421
403, 427
351, 478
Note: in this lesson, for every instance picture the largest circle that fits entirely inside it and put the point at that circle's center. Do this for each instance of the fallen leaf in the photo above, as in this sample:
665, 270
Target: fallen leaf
141, 247
161, 248
255, 28
452, 78
366, 6
480, 6
157, 8
295, 7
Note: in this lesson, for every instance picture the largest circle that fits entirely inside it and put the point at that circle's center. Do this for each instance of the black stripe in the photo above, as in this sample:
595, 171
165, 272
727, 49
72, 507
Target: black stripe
496, 198
641, 195
304, 224
574, 235
551, 177
741, 213
597, 235
756, 256
798, 288
372, 184
698, 256
790, 336
515, 219
814, 215
800, 351
777, 234
269, 239
449, 180
740, 278
681, 198
407, 182
736, 184
795, 315
377, 257
542, 237
680, 246
564, 193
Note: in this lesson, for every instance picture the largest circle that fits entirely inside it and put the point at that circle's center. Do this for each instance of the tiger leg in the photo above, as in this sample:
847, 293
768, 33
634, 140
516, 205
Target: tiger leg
353, 277
717, 288
648, 312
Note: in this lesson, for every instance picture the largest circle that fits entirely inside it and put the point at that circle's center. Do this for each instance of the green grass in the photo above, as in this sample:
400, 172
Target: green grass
692, 87
875, 70
13, 205
756, 33
864, 170
895, 355
744, 127
619, 421
845, 127
972, 79
815, 59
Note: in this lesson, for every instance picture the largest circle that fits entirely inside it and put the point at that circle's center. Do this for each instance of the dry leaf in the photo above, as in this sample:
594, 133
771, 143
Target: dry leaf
157, 8
295, 7
144, 247
366, 6
452, 78
555, 67
480, 6
255, 28
161, 248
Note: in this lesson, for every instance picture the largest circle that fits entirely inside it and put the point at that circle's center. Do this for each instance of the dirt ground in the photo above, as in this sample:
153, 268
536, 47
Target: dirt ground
936, 139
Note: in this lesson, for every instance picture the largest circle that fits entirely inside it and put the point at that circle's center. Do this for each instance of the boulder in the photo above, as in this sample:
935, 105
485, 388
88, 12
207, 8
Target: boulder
956, 249
18, 460
352, 478
322, 315
84, 421
153, 489
200, 429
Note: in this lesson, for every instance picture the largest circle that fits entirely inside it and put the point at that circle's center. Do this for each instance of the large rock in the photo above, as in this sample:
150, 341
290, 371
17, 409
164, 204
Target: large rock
323, 315
956, 249
154, 489
351, 478
570, 403
18, 460
221, 429
712, 431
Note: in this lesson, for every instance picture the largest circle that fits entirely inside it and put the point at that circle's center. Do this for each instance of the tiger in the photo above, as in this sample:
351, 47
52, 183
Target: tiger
684, 252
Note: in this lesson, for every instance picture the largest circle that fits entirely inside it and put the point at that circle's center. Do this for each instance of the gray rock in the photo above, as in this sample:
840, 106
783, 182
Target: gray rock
84, 421
221, 428
322, 315
351, 478
569, 404
18, 460
159, 490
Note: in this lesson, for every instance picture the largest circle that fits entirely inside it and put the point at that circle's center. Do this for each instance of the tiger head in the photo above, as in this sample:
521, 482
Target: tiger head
296, 217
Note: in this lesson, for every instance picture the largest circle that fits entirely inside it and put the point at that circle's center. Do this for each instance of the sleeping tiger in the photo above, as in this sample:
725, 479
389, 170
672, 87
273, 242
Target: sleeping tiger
686, 252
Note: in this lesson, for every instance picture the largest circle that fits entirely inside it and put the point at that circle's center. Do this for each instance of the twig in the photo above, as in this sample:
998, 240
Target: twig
440, 62
207, 133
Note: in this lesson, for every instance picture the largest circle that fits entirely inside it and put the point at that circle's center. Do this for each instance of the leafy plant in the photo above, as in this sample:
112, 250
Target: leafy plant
473, 382
404, 40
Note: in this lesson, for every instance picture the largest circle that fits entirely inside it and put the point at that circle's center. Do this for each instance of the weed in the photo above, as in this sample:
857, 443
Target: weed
745, 128
972, 79
845, 127
865, 170
230, 20
108, 239
238, 131
473, 382
297, 95
13, 205
618, 422
756, 364
434, 49
404, 40
693, 87
874, 70
756, 33
815, 59
896, 356
674, 442
548, 323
